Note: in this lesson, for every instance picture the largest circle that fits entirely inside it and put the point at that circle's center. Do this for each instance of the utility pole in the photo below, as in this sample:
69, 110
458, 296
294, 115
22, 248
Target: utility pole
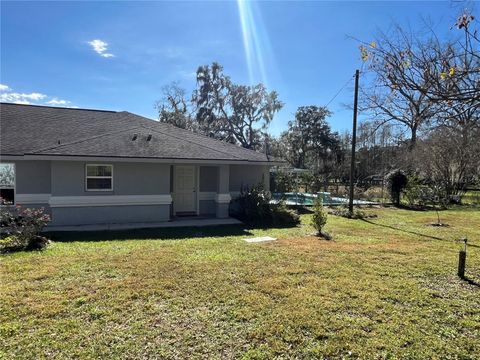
354, 142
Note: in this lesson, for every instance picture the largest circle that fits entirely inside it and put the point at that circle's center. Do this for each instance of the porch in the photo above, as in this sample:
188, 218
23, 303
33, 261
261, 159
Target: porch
201, 190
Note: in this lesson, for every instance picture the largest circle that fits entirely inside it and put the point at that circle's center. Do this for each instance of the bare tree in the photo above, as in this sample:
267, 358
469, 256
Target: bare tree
391, 97
458, 64
443, 75
430, 87
174, 107
449, 159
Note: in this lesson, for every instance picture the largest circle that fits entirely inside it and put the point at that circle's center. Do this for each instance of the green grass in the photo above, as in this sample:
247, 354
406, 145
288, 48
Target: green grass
471, 197
384, 288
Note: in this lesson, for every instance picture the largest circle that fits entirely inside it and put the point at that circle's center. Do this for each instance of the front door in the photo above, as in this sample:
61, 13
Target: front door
185, 200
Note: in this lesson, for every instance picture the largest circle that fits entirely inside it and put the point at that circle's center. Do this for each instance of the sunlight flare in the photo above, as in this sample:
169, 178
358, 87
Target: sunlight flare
255, 41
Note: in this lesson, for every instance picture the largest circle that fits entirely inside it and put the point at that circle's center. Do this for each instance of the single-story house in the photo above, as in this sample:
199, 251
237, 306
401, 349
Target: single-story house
102, 167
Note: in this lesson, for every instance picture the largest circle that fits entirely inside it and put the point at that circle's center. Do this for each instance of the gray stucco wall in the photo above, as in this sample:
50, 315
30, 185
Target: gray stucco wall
110, 214
209, 178
68, 179
32, 177
207, 207
248, 175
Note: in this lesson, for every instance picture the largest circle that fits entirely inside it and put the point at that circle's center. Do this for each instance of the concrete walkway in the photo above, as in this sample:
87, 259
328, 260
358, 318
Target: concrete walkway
181, 222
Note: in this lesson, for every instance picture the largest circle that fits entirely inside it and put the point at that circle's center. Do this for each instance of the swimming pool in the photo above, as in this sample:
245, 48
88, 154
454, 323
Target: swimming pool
308, 199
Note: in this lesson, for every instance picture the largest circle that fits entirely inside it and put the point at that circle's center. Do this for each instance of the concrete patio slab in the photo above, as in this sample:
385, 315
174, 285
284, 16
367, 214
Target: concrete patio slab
260, 239
187, 222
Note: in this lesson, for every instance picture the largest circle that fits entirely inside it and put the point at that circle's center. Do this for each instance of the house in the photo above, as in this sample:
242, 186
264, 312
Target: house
102, 167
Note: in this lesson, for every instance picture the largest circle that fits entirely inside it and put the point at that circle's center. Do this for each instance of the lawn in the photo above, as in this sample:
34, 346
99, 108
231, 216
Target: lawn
384, 288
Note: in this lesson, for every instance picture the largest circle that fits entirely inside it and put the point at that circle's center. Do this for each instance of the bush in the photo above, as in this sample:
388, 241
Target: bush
10, 243
396, 183
253, 207
357, 213
22, 228
319, 218
417, 193
282, 216
373, 194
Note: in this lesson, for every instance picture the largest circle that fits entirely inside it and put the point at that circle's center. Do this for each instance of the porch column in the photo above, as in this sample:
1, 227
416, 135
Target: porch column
222, 198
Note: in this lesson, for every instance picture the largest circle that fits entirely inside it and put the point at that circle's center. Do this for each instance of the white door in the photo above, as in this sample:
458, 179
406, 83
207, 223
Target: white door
185, 186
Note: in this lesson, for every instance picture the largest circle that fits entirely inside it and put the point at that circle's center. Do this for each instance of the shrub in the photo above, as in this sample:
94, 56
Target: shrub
22, 227
417, 193
10, 243
373, 194
357, 213
253, 207
283, 216
396, 183
319, 218
344, 212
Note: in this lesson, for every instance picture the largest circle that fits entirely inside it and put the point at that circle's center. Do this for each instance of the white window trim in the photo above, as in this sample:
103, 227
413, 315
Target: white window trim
14, 183
111, 200
98, 177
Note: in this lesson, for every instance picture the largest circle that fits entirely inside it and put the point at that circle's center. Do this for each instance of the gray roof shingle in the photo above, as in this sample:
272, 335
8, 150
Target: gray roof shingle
43, 130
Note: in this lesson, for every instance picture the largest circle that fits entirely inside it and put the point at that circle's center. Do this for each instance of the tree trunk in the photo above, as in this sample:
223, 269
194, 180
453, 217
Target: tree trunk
413, 139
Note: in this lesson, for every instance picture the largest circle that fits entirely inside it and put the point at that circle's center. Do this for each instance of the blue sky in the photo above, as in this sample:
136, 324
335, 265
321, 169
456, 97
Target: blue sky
300, 49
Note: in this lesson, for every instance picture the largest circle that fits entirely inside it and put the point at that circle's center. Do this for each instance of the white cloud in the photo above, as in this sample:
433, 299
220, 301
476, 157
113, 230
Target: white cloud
21, 98
101, 48
58, 102
35, 98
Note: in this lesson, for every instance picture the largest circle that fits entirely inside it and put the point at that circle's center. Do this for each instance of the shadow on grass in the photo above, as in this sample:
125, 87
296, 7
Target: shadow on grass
405, 231
150, 233
177, 233
301, 210
413, 232
413, 207
471, 282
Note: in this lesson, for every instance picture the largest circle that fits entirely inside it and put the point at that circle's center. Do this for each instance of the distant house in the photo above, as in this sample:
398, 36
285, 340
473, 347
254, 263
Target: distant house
98, 167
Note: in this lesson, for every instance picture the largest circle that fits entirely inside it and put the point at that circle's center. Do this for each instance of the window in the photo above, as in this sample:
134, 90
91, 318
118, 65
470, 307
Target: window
7, 184
99, 177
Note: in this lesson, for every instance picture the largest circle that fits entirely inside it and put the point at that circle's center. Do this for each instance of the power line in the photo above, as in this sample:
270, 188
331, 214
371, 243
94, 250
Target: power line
339, 91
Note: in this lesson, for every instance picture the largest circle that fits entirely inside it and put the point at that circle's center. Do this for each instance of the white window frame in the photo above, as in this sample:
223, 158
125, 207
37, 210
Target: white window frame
98, 177
14, 183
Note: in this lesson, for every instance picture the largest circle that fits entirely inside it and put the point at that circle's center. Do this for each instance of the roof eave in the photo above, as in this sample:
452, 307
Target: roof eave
11, 157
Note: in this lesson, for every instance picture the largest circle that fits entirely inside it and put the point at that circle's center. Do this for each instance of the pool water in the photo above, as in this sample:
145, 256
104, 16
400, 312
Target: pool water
308, 199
